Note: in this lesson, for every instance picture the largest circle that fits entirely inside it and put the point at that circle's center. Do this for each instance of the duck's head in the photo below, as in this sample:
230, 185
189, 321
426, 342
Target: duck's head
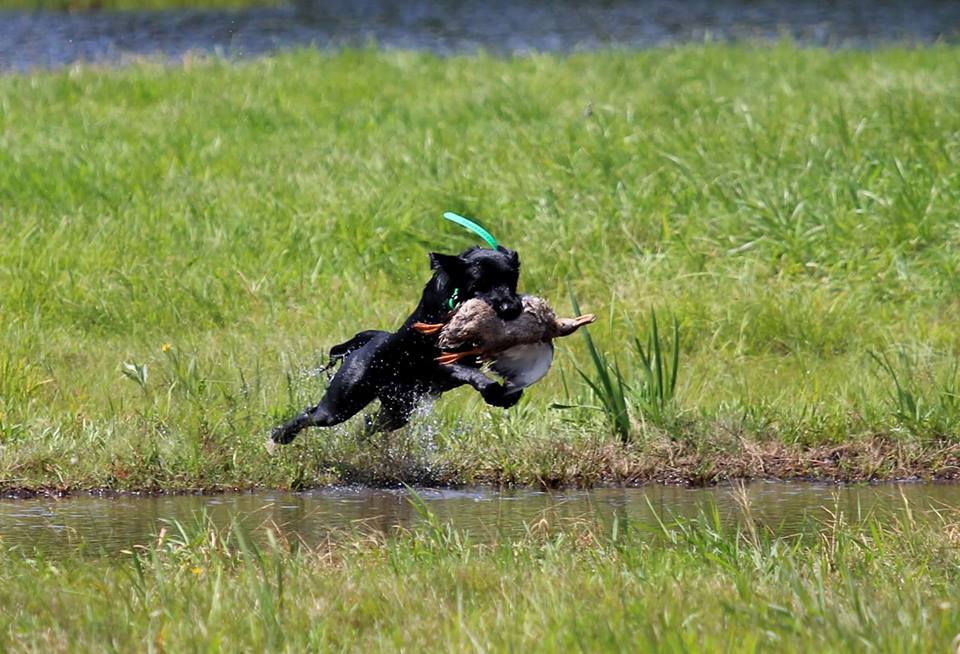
488, 274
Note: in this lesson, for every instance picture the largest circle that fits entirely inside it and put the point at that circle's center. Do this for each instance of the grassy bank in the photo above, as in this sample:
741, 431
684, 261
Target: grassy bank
887, 585
180, 244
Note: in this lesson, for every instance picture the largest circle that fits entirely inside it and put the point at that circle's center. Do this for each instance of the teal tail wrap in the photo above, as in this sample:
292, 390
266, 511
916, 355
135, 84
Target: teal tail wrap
473, 227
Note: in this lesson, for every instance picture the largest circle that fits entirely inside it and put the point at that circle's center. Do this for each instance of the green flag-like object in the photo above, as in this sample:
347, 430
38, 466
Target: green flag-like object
473, 227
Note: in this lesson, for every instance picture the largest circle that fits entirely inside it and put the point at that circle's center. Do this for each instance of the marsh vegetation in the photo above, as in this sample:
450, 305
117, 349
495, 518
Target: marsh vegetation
887, 584
182, 242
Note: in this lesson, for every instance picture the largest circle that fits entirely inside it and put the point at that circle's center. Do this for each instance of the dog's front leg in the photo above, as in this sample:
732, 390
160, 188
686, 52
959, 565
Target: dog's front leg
493, 393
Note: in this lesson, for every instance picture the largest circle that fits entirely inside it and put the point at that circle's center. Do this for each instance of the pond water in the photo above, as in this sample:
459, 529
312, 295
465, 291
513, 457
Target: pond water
114, 523
49, 39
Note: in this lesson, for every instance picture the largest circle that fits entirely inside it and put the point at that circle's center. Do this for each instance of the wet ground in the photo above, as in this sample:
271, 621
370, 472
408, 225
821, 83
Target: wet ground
114, 523
51, 39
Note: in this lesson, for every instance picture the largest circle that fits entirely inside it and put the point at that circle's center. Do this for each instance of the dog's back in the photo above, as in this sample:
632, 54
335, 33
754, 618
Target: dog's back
399, 368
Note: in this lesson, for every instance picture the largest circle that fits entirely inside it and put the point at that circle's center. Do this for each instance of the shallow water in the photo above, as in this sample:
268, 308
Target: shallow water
114, 523
50, 39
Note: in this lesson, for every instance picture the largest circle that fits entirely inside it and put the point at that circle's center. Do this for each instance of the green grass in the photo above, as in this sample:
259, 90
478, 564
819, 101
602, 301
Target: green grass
887, 584
794, 210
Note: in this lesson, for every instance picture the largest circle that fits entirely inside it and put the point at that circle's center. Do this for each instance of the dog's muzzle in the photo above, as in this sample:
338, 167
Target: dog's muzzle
508, 309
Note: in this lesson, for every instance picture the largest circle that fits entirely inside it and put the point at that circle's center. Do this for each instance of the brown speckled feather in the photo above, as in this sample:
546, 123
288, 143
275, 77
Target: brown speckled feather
521, 349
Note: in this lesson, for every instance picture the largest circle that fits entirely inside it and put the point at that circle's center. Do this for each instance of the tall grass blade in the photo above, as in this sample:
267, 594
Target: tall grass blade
610, 389
655, 396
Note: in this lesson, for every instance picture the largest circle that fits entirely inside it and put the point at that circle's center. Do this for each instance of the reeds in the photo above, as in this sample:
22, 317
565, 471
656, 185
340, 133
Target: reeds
651, 396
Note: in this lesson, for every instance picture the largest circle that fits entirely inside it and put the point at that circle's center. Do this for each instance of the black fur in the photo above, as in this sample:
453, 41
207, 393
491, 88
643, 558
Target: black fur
399, 368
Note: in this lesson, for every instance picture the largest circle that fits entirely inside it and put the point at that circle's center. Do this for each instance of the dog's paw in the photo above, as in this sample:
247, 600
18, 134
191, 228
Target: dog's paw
500, 396
282, 435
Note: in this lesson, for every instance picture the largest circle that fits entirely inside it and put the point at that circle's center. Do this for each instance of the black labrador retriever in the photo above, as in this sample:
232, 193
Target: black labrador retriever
399, 368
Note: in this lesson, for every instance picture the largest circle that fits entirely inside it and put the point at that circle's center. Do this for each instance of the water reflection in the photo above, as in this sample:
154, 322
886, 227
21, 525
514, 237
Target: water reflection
118, 523
45, 39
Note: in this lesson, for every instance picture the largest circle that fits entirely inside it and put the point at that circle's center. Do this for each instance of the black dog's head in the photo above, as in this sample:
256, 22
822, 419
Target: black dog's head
490, 275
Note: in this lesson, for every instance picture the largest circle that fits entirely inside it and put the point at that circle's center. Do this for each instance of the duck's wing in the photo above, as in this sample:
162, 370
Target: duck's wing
524, 365
470, 325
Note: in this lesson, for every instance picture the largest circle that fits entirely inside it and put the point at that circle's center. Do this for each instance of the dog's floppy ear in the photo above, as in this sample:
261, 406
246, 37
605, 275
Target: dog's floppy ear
514, 258
448, 263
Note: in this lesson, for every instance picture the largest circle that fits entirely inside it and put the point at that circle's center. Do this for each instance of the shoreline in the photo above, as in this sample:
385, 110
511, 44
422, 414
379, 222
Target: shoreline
863, 462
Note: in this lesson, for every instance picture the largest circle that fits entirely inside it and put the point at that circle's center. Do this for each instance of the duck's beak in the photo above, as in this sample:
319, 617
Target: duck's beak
567, 326
427, 328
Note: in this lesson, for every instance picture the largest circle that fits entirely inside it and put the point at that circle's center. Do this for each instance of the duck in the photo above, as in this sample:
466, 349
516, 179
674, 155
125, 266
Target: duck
519, 350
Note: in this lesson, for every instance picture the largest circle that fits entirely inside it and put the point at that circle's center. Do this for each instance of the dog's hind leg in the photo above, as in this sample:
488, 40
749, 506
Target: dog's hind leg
322, 415
336, 406
384, 421
393, 414
351, 389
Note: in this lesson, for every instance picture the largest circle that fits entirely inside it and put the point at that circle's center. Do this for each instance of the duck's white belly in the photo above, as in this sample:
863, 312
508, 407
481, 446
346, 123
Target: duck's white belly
524, 365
